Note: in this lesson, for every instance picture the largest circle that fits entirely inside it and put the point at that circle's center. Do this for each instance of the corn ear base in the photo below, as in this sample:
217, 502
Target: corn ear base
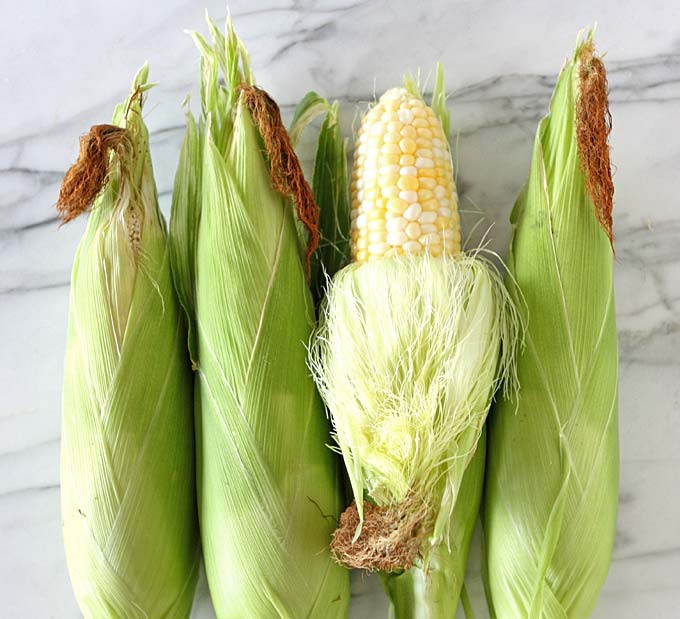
434, 593
552, 472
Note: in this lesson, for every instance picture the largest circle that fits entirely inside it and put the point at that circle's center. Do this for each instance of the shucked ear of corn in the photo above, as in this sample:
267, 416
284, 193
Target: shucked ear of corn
268, 488
408, 355
127, 443
552, 474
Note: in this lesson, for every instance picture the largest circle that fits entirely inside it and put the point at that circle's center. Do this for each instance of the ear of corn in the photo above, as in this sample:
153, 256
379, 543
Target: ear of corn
407, 357
268, 487
127, 444
552, 476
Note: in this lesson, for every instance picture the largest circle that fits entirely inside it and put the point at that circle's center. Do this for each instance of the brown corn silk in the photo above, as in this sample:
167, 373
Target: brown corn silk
593, 126
85, 178
391, 537
286, 172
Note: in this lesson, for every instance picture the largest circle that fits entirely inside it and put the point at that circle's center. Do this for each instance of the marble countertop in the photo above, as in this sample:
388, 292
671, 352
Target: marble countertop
65, 65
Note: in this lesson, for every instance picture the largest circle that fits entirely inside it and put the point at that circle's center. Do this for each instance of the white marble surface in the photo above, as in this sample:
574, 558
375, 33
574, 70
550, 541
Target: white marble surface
65, 64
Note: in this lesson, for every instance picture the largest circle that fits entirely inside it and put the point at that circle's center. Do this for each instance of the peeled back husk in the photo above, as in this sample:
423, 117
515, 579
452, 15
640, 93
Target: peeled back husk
434, 592
127, 443
408, 355
268, 488
553, 461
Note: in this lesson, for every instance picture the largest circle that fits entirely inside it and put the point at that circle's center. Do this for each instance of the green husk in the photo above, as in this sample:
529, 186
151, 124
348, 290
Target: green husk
434, 593
268, 488
331, 190
552, 472
127, 444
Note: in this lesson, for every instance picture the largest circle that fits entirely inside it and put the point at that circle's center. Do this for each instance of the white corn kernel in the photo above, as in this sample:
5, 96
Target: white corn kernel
413, 247
398, 237
389, 169
397, 224
424, 162
428, 217
409, 170
378, 128
405, 116
413, 230
413, 211
409, 196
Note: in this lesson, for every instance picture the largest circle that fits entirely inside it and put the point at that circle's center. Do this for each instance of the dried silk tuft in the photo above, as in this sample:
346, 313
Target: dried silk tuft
593, 126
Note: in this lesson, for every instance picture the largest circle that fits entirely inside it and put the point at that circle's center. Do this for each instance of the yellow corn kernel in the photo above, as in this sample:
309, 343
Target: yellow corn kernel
389, 160
409, 131
407, 145
408, 183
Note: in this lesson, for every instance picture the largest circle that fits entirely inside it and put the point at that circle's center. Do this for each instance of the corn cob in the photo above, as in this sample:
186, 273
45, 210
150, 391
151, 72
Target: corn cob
552, 475
127, 444
403, 194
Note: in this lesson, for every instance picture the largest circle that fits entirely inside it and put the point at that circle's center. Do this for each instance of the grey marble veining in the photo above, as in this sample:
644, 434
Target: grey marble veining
64, 66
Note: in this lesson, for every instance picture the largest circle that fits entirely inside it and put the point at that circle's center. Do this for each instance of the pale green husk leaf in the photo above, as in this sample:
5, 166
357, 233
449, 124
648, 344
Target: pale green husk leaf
268, 488
552, 472
127, 444
433, 593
